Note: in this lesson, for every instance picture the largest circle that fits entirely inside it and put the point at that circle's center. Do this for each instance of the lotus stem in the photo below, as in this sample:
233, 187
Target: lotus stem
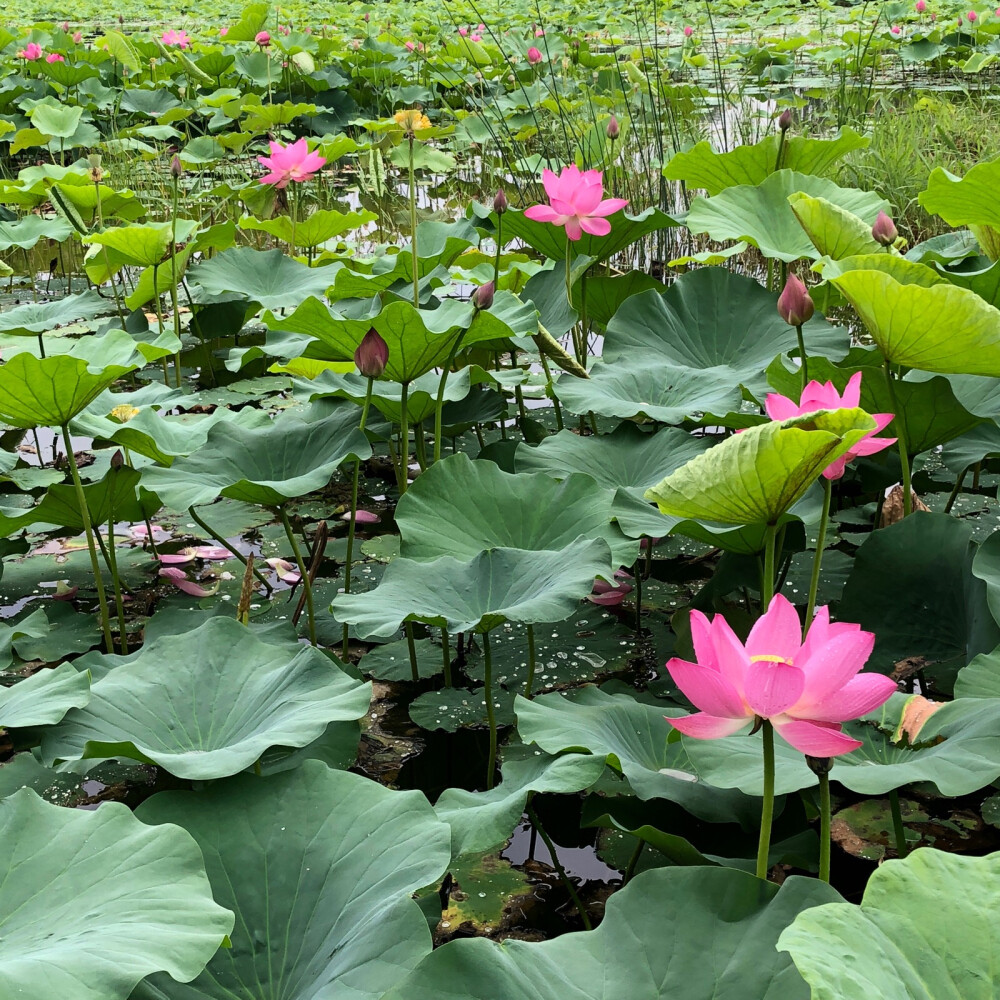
550, 390
303, 573
904, 458
212, 533
633, 861
173, 278
354, 509
767, 809
824, 826
404, 438
439, 403
413, 230
899, 831
116, 584
953, 496
767, 579
802, 356
818, 557
564, 878
637, 573
412, 650
88, 531
446, 657
491, 764
531, 663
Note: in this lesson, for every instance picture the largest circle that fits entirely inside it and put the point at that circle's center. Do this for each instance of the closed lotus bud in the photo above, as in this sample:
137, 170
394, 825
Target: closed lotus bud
500, 202
482, 297
117, 460
176, 167
372, 355
884, 230
795, 306
785, 120
614, 129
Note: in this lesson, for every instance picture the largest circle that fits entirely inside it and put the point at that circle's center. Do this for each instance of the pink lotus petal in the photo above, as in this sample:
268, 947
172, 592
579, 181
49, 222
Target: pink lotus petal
178, 578
211, 553
708, 690
859, 696
778, 632
772, 687
702, 726
815, 739
181, 558
286, 571
830, 666
610, 599
362, 517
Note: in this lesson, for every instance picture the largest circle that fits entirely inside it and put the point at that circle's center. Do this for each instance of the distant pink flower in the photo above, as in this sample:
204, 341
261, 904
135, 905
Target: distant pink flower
223, 31
896, 29
293, 162
480, 26
475, 37
539, 32
409, 46
972, 16
284, 29
534, 56
174, 37
54, 57
575, 202
805, 688
688, 31
824, 396
921, 6
180, 580
30, 52
263, 39
65, 26
463, 31
77, 37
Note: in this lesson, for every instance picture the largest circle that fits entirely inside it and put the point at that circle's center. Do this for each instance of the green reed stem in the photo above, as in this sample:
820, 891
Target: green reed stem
303, 572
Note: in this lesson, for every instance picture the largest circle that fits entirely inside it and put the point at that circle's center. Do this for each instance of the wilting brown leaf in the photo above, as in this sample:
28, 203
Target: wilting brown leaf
916, 712
892, 506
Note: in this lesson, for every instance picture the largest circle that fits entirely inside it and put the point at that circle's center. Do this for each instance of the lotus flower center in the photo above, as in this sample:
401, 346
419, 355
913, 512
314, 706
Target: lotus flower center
771, 658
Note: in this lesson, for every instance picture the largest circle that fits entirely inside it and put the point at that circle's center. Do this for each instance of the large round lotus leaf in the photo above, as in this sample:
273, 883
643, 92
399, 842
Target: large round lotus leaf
696, 933
633, 738
713, 318
702, 167
756, 476
39, 317
265, 276
761, 214
937, 327
164, 437
496, 585
266, 465
311, 231
479, 820
208, 702
964, 201
91, 902
834, 231
925, 930
26, 232
912, 584
49, 392
459, 507
319, 866
44, 697
141, 246
928, 405
659, 390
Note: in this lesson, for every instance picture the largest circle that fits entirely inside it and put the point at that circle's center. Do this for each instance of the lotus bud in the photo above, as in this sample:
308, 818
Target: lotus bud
884, 230
263, 39
785, 120
534, 56
795, 306
614, 129
921, 6
500, 202
176, 167
482, 297
372, 354
117, 460
368, 17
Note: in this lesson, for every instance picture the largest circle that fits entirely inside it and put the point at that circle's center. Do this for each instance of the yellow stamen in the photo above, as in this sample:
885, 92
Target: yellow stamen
770, 658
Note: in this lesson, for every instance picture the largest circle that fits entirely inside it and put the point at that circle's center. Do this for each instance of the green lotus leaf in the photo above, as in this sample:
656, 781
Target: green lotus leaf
939, 328
147, 901
34, 318
705, 168
606, 293
55, 120
834, 231
480, 820
975, 446
316, 229
761, 214
265, 465
267, 277
140, 246
44, 697
756, 476
478, 594
26, 232
902, 269
32, 626
896, 952
319, 866
931, 413
633, 738
124, 204
964, 201
651, 943
207, 703
980, 678
948, 249
49, 392
459, 507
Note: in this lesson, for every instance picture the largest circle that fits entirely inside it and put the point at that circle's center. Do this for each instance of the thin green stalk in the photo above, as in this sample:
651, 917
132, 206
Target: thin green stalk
412, 650
303, 573
212, 533
491, 763
404, 438
824, 826
904, 458
173, 280
633, 861
88, 531
354, 508
446, 657
116, 584
564, 878
530, 682
637, 573
413, 231
818, 557
898, 830
767, 811
802, 356
953, 496
550, 390
767, 581
439, 403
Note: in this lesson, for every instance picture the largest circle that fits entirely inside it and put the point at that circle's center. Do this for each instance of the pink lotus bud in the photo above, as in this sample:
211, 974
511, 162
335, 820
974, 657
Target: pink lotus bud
117, 459
475, 37
463, 31
65, 26
482, 297
176, 167
896, 29
785, 120
372, 354
688, 31
409, 46
500, 201
972, 16
77, 37
921, 6
539, 32
263, 39
614, 129
795, 306
534, 56
884, 230
480, 27
368, 17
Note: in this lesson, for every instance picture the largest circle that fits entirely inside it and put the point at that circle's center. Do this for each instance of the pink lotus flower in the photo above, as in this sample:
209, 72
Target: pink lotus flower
223, 31
409, 46
688, 31
463, 31
480, 26
54, 57
534, 56
475, 37
575, 202
921, 6
896, 29
539, 32
77, 37
293, 162
806, 689
30, 52
178, 38
263, 39
824, 396
972, 16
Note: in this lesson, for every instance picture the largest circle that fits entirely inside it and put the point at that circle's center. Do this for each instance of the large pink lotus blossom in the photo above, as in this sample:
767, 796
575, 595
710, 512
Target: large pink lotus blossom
824, 396
805, 688
54, 57
293, 162
30, 52
575, 202
174, 37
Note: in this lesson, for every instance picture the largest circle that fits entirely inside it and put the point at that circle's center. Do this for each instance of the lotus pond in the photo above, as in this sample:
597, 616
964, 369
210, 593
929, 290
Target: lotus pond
500, 503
